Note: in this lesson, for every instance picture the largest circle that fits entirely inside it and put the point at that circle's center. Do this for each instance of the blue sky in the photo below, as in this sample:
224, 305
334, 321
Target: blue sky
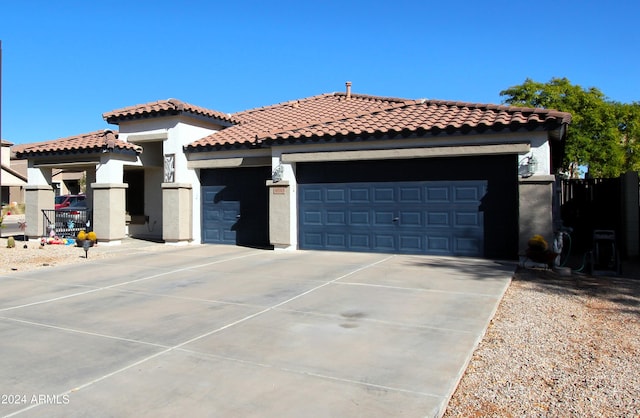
65, 63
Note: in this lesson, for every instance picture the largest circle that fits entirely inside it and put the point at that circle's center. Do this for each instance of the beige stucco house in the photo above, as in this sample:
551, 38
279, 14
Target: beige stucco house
12, 180
14, 176
337, 171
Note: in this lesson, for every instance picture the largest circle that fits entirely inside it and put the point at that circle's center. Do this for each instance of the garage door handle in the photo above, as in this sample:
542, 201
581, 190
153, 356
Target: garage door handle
396, 219
237, 216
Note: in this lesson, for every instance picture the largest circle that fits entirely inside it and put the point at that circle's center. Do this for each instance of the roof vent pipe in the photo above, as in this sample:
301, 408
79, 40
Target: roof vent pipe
348, 84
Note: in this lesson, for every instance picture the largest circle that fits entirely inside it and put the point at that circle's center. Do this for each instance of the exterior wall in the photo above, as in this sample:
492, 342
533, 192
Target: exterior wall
537, 140
109, 212
286, 207
15, 192
12, 187
176, 204
5, 154
536, 217
279, 215
38, 197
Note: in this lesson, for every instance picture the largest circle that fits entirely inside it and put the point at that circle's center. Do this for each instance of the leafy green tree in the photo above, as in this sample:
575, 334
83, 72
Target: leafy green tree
629, 125
603, 134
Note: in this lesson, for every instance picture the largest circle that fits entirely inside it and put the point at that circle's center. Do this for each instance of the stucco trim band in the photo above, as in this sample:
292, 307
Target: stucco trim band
67, 164
230, 162
467, 150
155, 136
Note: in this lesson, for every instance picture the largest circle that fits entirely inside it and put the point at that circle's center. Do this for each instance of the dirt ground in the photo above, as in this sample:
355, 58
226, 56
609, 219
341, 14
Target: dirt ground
558, 346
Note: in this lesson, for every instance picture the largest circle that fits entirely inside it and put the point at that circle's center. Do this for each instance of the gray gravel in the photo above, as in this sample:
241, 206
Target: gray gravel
558, 346
37, 257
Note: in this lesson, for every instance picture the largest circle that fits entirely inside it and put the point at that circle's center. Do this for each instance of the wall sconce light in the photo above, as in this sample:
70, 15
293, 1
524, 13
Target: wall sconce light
528, 166
276, 176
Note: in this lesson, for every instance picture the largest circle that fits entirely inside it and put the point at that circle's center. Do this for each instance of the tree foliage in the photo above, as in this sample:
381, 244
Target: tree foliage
603, 135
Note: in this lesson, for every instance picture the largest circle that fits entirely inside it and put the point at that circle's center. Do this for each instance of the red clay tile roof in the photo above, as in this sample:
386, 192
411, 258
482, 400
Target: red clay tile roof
94, 141
257, 124
431, 116
335, 115
162, 107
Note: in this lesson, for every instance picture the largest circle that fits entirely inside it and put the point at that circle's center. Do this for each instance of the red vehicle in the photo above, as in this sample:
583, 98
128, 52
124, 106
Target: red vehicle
68, 199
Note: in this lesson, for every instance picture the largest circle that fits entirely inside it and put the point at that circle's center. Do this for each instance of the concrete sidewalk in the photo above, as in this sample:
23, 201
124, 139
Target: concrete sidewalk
231, 331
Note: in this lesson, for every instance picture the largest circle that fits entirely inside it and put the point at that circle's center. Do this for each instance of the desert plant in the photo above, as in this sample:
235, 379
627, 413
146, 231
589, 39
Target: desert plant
91, 236
81, 235
11, 242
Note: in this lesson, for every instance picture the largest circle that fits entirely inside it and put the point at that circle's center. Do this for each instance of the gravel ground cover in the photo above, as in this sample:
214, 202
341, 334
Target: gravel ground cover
557, 347
37, 257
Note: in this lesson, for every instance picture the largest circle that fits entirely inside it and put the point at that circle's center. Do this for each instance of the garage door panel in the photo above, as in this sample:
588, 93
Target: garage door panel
235, 206
383, 218
359, 195
312, 217
410, 195
435, 194
359, 242
466, 194
384, 242
336, 195
439, 244
411, 243
465, 219
336, 217
438, 219
336, 241
312, 194
384, 195
467, 245
359, 218
419, 217
410, 218
313, 240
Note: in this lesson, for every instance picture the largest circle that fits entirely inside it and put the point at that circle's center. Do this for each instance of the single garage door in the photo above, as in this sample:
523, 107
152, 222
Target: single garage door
235, 206
414, 217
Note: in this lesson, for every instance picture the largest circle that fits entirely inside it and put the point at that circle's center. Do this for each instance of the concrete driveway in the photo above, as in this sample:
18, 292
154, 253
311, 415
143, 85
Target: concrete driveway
225, 331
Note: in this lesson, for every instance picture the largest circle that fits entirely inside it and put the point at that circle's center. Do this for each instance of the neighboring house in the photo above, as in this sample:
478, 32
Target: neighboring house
338, 171
64, 182
12, 180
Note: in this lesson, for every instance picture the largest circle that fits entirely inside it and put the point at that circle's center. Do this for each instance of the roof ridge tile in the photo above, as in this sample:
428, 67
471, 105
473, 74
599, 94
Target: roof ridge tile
159, 106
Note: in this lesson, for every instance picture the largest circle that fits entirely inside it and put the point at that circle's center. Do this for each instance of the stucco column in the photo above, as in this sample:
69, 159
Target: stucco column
279, 214
39, 195
177, 218
90, 179
37, 198
109, 211
536, 214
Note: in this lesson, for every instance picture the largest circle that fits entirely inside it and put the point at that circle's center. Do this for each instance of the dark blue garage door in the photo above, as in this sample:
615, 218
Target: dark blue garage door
235, 206
418, 217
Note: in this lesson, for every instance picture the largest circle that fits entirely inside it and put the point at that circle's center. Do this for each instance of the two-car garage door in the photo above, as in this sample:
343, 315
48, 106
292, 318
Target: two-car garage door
442, 206
412, 217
